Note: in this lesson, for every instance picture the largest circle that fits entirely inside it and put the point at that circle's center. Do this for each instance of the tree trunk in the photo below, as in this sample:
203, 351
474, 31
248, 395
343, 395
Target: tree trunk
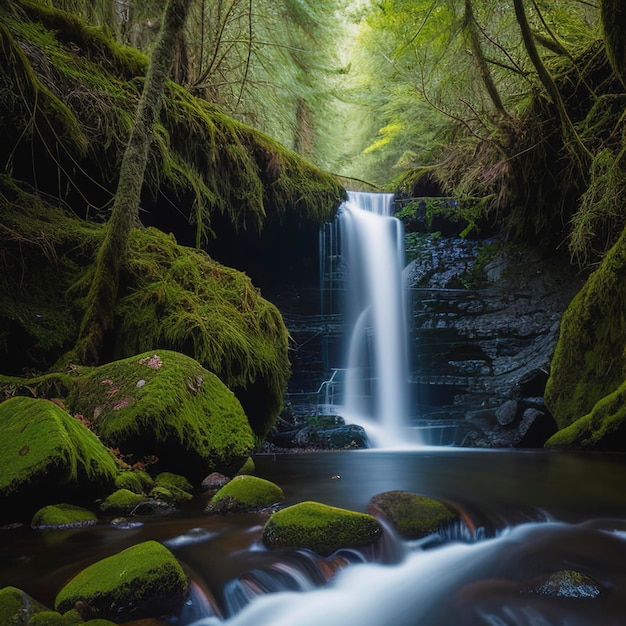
102, 296
570, 136
470, 26
613, 15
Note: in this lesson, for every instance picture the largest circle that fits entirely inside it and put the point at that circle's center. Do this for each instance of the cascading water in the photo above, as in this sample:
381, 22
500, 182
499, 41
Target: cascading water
370, 244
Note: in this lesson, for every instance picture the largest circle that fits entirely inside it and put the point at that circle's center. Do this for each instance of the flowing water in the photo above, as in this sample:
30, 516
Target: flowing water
370, 244
526, 516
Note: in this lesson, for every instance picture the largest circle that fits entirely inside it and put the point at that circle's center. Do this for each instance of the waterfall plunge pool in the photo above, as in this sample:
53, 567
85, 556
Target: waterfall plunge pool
532, 514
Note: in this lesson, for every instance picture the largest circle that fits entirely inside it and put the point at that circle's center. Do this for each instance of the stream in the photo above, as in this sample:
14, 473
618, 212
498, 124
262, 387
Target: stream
528, 515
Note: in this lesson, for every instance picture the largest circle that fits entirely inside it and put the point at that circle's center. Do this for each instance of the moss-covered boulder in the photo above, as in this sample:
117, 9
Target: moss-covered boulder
166, 405
143, 581
589, 362
245, 493
603, 428
122, 502
63, 516
17, 608
319, 527
47, 455
412, 515
136, 481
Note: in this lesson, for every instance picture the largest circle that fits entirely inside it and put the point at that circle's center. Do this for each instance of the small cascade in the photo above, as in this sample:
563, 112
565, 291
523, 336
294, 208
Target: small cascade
362, 257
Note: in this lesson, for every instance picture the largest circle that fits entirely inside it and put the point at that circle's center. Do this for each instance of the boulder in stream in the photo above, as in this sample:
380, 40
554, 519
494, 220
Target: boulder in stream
245, 493
143, 581
413, 516
319, 527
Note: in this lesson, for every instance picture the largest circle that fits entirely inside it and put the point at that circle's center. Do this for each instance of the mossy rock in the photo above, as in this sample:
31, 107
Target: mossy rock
63, 516
48, 618
136, 481
165, 404
589, 362
143, 581
603, 428
122, 502
245, 493
17, 608
248, 467
319, 527
171, 495
48, 455
168, 479
412, 515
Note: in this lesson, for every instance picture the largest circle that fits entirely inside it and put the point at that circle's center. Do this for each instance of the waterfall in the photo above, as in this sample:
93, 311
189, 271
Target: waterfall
369, 242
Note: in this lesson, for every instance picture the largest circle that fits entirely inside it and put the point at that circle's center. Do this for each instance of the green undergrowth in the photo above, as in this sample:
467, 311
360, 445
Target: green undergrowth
172, 297
72, 92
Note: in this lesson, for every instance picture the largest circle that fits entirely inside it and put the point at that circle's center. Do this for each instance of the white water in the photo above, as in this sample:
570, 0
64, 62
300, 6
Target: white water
376, 379
489, 583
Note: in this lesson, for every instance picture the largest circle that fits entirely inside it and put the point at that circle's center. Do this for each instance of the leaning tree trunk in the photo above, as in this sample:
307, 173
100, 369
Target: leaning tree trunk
570, 136
102, 297
471, 29
613, 15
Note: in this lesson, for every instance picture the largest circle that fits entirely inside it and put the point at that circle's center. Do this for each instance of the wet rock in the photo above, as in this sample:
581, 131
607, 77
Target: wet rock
214, 481
506, 413
319, 527
413, 516
568, 584
243, 494
17, 607
143, 581
63, 516
337, 437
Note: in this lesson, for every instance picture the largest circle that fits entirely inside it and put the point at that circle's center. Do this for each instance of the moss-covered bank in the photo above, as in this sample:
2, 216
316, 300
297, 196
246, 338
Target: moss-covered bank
172, 297
589, 361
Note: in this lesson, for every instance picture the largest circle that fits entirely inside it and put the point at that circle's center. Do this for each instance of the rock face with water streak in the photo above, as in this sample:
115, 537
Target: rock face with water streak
486, 322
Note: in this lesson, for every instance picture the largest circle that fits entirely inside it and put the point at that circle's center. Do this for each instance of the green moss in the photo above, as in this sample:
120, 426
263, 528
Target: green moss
167, 479
412, 515
62, 515
588, 362
121, 502
72, 618
131, 481
17, 608
165, 404
245, 493
319, 527
142, 581
183, 300
170, 494
603, 428
248, 467
47, 618
40, 441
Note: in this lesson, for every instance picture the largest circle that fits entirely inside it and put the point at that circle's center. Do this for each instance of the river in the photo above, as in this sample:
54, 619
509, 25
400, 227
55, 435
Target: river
528, 515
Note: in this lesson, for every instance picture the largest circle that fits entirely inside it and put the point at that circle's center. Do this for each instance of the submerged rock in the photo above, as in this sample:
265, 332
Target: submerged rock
319, 527
568, 584
47, 454
143, 581
245, 493
412, 515
183, 415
